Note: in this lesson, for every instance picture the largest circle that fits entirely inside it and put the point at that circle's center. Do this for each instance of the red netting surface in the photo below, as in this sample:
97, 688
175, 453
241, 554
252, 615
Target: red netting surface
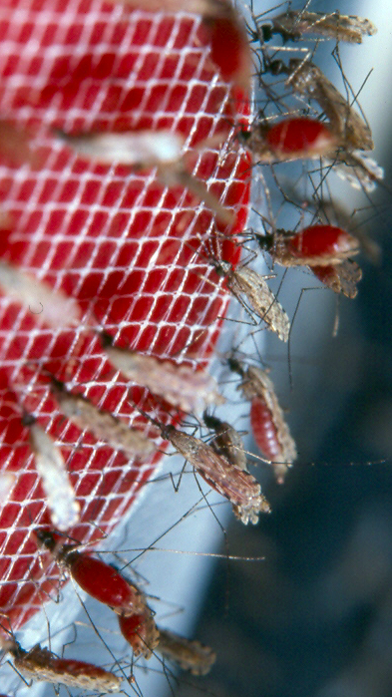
118, 241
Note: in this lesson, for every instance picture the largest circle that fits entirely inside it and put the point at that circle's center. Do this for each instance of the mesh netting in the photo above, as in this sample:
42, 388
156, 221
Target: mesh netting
122, 244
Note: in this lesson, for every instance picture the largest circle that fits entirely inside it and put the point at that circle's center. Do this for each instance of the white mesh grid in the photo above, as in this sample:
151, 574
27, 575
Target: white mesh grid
119, 242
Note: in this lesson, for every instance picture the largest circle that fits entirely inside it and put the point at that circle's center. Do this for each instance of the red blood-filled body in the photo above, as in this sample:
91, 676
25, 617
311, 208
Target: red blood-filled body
131, 627
318, 240
68, 666
230, 50
301, 135
264, 431
140, 631
341, 278
324, 273
42, 665
103, 582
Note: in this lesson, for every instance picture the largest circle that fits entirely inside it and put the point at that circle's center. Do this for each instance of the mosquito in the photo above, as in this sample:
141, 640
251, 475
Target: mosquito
245, 281
269, 427
42, 665
60, 494
230, 49
294, 137
305, 78
325, 249
227, 441
341, 139
235, 484
162, 149
316, 245
290, 139
100, 580
101, 423
352, 133
293, 24
180, 385
57, 309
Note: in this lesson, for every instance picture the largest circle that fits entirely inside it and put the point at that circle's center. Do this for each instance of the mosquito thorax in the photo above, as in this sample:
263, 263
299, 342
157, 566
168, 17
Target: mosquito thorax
211, 421
105, 339
46, 539
244, 136
265, 32
266, 241
167, 431
235, 366
277, 67
28, 419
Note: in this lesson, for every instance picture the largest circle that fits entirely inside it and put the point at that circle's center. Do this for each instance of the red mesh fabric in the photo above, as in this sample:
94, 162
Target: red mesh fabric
118, 241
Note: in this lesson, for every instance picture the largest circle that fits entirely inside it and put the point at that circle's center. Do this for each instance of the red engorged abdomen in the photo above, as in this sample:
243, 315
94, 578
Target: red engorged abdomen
325, 274
131, 626
318, 240
300, 135
64, 666
264, 431
140, 631
102, 582
230, 50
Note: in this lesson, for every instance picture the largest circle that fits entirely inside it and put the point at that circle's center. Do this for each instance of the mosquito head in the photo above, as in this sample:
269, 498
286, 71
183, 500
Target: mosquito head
105, 339
46, 539
211, 421
235, 366
265, 32
244, 136
265, 242
56, 386
167, 431
277, 67
28, 419
222, 268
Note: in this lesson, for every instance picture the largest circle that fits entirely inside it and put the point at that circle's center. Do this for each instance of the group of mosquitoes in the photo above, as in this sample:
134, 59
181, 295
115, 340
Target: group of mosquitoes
335, 132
